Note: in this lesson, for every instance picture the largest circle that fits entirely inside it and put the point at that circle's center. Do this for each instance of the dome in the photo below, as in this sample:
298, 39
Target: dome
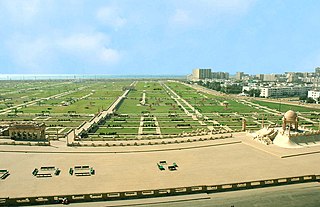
290, 116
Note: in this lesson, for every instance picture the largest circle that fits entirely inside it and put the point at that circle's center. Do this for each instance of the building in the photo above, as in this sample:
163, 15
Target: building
260, 76
220, 75
250, 87
284, 91
317, 71
312, 80
314, 94
292, 77
269, 77
201, 74
239, 75
27, 131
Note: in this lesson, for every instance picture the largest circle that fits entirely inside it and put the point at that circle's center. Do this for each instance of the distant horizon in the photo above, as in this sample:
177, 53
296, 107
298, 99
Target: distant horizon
79, 76
162, 74
139, 74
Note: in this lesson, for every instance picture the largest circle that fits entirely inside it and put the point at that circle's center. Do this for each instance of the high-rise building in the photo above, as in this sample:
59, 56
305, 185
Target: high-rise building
292, 77
201, 74
269, 77
220, 75
259, 76
239, 75
317, 71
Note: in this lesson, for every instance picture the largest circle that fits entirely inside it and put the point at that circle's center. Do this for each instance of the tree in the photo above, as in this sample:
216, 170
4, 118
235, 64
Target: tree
310, 100
303, 98
232, 89
253, 92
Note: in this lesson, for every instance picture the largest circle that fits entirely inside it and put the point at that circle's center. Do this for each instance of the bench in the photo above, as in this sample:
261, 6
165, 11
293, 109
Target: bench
163, 162
57, 172
92, 171
35, 171
81, 167
47, 168
160, 167
44, 175
82, 173
4, 174
172, 168
83, 170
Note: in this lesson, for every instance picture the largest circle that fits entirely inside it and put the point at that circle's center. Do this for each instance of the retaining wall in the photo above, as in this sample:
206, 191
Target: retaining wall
42, 200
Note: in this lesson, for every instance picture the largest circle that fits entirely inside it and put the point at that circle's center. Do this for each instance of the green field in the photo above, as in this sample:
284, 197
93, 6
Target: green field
150, 108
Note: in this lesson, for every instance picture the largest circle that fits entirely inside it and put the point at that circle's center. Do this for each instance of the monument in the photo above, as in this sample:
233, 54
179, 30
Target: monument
290, 118
289, 135
27, 131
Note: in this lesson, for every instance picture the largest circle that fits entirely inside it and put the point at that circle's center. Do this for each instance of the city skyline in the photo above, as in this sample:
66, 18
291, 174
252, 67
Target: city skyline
158, 38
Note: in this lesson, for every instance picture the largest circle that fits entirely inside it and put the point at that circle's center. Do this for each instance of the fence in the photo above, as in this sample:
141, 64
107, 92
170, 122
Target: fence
157, 192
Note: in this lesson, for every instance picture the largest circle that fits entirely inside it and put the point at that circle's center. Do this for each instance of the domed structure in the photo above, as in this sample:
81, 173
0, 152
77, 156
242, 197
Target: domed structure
290, 116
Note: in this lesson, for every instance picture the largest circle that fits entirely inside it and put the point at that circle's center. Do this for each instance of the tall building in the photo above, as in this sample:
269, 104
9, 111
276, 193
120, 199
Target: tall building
259, 76
220, 75
269, 77
239, 75
317, 71
201, 74
292, 77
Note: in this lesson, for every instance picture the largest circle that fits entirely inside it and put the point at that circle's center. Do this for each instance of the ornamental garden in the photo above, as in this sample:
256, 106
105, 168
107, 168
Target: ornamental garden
152, 108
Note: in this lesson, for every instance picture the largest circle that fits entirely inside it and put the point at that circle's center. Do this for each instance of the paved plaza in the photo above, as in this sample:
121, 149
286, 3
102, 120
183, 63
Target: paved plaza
236, 159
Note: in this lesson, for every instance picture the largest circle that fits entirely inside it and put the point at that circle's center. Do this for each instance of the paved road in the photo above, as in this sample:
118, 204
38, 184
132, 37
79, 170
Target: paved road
304, 195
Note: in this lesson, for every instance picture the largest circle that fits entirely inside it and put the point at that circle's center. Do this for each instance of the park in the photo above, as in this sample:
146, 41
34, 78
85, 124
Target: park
116, 139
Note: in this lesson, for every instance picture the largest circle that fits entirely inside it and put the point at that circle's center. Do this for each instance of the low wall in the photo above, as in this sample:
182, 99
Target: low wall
26, 143
42, 200
140, 142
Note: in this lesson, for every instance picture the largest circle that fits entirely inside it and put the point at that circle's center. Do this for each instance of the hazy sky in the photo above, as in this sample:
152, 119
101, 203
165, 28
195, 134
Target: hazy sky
158, 36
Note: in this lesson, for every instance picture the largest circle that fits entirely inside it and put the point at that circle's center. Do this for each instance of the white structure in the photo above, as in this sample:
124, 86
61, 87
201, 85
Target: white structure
289, 135
248, 88
284, 91
314, 94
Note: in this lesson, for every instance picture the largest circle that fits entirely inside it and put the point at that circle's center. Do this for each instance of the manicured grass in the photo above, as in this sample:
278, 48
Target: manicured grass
284, 107
82, 107
176, 130
117, 130
101, 94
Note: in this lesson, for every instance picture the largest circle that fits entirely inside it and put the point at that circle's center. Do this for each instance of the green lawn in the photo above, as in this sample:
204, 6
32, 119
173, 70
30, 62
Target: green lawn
284, 107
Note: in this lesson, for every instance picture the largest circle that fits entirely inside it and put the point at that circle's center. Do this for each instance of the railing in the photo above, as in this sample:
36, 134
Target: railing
157, 192
146, 141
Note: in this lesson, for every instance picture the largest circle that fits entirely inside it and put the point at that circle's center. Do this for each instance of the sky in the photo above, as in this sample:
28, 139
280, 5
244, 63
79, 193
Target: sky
158, 37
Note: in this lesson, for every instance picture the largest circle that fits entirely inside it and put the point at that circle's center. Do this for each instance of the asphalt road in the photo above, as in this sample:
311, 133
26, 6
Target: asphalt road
298, 195
284, 196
